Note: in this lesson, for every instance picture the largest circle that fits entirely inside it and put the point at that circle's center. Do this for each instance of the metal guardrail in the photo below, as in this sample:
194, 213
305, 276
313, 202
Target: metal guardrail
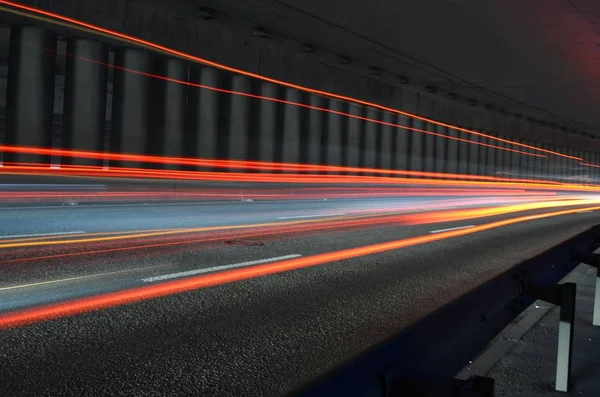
424, 358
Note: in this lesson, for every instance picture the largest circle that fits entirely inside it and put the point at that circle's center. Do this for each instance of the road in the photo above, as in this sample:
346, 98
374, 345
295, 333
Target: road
256, 336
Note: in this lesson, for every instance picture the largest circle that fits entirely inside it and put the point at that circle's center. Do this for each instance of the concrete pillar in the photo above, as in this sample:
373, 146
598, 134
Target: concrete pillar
203, 109
168, 109
563, 164
547, 168
556, 167
507, 159
543, 163
550, 165
334, 135
491, 154
530, 162
521, 159
463, 153
387, 134
473, 155
401, 141
291, 127
430, 155
30, 91
508, 155
583, 169
500, 159
592, 171
570, 165
580, 170
371, 151
453, 147
579, 167
573, 164
417, 141
84, 112
265, 144
539, 162
482, 158
441, 150
131, 103
239, 120
316, 124
351, 137
595, 171
525, 161
305, 114
516, 158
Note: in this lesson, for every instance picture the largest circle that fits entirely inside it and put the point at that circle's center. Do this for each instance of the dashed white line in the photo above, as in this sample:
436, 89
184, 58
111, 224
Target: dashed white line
63, 280
450, 229
217, 268
311, 216
87, 205
41, 234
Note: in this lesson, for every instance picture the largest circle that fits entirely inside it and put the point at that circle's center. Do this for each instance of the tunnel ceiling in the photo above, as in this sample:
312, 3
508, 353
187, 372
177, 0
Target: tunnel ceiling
540, 56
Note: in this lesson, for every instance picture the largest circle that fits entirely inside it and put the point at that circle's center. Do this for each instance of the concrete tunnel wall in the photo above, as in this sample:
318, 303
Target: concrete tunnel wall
136, 113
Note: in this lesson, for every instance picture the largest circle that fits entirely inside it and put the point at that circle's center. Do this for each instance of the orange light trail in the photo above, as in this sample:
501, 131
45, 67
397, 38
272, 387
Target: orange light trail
37, 13
44, 238
96, 171
161, 233
104, 301
282, 228
590, 165
335, 222
229, 164
122, 172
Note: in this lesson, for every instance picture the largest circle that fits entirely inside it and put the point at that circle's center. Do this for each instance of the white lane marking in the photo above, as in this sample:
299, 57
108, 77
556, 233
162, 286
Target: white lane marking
42, 234
217, 268
157, 204
13, 185
585, 212
452, 228
310, 216
62, 280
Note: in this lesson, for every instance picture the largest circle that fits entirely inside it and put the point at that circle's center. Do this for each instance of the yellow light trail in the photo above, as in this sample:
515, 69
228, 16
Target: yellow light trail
103, 301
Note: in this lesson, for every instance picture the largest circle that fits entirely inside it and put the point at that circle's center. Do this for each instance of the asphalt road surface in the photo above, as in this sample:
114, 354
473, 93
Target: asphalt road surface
255, 337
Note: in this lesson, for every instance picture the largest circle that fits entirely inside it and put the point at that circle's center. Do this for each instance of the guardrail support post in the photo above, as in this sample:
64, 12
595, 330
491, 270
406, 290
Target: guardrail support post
596, 316
565, 336
594, 261
563, 295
